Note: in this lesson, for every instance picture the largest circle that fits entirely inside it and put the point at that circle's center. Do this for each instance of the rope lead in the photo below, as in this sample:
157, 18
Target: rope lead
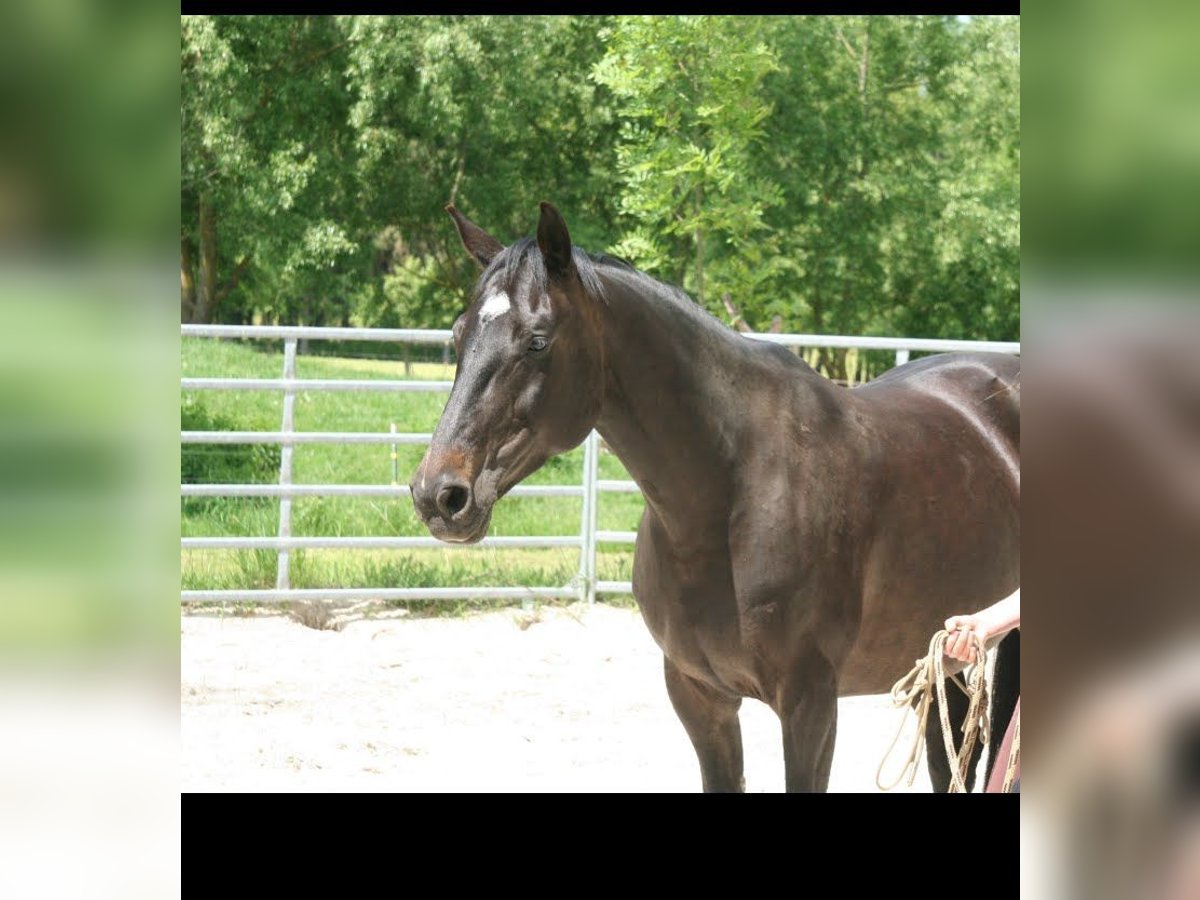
915, 691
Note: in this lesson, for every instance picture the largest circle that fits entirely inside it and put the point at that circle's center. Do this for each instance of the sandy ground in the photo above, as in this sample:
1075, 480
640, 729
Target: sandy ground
494, 702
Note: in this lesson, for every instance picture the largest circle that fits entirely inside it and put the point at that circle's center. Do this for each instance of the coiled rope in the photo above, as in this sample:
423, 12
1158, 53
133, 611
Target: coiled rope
915, 691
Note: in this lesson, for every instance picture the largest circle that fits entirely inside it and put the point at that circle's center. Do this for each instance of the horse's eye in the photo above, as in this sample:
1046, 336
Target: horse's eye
538, 344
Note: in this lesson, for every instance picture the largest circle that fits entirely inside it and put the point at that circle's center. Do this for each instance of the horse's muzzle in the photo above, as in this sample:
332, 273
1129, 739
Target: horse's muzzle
446, 504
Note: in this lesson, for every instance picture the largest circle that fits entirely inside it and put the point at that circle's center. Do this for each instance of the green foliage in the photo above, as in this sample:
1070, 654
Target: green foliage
267, 146
687, 90
846, 174
492, 113
897, 139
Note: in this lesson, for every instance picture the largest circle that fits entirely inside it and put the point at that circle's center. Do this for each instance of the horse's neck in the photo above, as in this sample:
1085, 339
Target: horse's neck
673, 409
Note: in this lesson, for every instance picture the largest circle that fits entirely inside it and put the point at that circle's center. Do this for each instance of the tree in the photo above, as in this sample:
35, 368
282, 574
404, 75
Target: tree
853, 175
973, 287
687, 89
491, 113
266, 149
893, 137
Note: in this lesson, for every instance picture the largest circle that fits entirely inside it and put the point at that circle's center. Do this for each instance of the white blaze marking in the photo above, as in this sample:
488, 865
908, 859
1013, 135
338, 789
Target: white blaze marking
493, 306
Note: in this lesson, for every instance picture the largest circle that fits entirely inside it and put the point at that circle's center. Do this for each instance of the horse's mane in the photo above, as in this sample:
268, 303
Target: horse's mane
675, 296
525, 256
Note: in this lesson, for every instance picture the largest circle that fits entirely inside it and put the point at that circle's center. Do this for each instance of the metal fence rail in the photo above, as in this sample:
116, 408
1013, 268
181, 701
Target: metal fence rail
363, 490
369, 543
585, 585
287, 437
311, 384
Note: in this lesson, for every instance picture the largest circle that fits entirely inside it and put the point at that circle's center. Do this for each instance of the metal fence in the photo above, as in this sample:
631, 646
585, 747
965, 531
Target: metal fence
585, 585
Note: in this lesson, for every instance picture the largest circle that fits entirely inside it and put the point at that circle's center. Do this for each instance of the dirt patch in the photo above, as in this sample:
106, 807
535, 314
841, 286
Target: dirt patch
569, 699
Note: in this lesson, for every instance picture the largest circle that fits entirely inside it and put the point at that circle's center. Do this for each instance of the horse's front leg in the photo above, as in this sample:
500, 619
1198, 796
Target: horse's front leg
711, 721
807, 708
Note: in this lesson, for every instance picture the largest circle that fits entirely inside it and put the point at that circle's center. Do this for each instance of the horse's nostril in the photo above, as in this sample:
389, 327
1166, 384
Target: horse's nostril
452, 499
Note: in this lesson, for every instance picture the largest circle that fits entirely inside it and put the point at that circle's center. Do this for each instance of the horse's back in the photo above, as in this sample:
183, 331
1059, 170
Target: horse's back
980, 388
973, 374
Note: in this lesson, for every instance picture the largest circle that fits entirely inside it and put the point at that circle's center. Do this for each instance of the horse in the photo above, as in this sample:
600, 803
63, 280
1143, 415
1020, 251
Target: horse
800, 540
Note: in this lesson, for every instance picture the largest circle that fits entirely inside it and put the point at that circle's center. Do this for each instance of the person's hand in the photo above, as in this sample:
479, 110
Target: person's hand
960, 644
989, 624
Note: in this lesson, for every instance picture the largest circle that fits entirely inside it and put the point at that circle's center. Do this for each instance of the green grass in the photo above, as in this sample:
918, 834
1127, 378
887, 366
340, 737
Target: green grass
371, 464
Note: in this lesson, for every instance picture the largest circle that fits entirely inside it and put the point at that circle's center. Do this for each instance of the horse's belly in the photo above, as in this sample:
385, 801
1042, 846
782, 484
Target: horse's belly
912, 586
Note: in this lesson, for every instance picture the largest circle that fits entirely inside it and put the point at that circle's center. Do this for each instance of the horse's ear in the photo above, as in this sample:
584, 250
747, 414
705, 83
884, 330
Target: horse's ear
554, 240
478, 242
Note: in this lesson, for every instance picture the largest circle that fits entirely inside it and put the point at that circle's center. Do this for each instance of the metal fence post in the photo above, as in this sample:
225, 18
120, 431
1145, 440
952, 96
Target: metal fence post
591, 462
285, 461
395, 460
901, 357
589, 498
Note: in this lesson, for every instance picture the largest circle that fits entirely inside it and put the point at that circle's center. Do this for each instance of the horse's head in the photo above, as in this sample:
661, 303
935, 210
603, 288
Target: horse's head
530, 376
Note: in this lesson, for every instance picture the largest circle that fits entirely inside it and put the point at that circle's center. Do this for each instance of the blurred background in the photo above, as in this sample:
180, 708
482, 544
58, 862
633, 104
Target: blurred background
1110, 279
88, 455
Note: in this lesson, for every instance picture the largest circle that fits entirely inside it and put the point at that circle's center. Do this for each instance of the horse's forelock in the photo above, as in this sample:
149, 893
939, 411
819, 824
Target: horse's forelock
523, 260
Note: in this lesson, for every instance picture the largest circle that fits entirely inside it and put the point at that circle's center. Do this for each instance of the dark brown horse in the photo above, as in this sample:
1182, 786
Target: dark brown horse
800, 540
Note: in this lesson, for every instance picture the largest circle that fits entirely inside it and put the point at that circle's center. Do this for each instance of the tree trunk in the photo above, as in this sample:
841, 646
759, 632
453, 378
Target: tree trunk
817, 305
187, 280
206, 299
305, 319
864, 64
836, 364
736, 319
462, 167
863, 70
